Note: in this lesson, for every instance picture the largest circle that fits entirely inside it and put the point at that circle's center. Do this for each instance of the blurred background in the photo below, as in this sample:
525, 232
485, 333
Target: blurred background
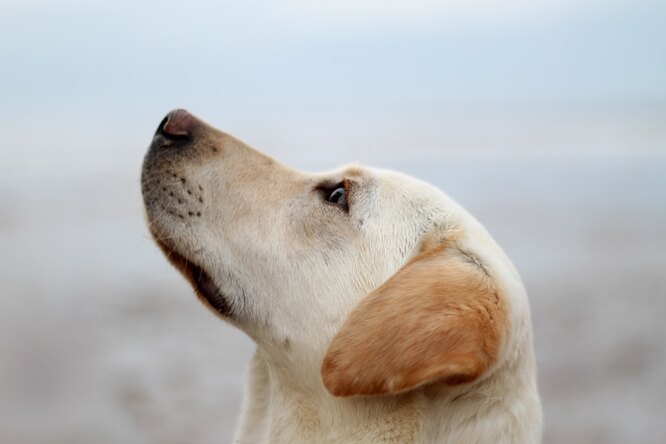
545, 118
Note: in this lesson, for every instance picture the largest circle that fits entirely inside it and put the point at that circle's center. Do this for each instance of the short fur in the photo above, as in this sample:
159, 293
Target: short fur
398, 321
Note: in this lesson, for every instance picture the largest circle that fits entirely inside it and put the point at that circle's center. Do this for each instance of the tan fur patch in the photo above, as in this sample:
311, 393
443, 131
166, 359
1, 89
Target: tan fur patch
439, 318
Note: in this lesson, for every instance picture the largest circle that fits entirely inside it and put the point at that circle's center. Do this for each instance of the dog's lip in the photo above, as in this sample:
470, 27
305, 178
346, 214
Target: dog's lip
204, 286
211, 294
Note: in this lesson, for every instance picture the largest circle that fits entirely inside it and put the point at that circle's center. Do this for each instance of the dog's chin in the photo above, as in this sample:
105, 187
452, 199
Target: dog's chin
202, 283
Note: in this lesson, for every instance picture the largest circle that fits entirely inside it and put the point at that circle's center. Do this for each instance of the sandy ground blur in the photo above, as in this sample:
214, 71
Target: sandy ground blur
102, 342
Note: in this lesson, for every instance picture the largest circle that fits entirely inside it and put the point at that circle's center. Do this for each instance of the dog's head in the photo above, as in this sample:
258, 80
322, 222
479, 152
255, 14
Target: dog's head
367, 280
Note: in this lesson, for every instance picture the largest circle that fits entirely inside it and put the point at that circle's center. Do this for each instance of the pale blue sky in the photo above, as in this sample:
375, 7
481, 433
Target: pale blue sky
84, 83
292, 52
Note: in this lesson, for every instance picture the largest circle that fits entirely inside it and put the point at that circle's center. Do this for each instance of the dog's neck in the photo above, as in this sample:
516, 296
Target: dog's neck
279, 409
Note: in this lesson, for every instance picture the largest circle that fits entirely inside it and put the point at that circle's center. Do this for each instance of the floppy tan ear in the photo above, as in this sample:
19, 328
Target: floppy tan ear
439, 318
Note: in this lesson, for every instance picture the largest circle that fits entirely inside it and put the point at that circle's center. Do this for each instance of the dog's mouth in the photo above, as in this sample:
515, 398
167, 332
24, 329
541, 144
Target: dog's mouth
203, 284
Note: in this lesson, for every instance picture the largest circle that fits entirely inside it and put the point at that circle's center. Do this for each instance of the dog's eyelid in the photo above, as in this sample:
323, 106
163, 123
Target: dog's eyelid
331, 184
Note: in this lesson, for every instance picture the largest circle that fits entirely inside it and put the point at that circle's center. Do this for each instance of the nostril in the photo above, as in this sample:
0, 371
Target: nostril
177, 124
160, 127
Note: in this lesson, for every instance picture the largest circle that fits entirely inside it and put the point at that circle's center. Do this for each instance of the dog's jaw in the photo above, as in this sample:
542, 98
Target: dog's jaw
204, 286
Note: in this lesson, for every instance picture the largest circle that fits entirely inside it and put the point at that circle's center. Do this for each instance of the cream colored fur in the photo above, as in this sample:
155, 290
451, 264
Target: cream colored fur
293, 268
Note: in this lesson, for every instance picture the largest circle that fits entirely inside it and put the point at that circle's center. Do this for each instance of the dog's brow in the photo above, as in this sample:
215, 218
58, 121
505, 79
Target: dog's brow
354, 171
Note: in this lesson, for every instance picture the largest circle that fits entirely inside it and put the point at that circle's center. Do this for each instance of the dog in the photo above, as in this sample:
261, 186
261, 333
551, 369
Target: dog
382, 311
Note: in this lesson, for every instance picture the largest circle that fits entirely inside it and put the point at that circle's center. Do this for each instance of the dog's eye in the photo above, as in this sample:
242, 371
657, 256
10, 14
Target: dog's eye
337, 195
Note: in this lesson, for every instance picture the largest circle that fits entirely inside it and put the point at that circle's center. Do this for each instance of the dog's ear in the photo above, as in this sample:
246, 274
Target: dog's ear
439, 318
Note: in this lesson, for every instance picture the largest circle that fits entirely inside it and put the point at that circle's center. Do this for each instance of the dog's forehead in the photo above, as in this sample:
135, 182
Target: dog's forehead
389, 182
397, 210
404, 193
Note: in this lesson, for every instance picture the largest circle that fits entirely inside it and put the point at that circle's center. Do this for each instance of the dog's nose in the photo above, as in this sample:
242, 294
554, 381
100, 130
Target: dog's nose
178, 124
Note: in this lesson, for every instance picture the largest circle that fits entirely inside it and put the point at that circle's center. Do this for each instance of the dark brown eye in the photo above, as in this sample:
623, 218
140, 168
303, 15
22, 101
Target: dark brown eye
337, 195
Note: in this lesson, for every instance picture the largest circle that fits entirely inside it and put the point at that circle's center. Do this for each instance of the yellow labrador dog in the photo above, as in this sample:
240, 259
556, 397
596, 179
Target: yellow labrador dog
382, 311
